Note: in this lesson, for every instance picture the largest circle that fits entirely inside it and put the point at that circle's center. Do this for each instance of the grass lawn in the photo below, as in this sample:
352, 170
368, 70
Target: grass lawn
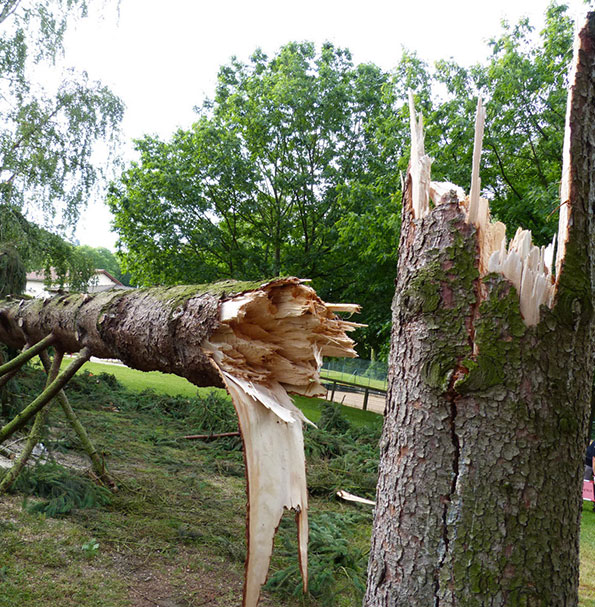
587, 570
164, 383
174, 532
358, 380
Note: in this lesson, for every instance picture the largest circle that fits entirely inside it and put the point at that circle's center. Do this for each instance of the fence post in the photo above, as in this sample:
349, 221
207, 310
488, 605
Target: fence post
366, 394
333, 392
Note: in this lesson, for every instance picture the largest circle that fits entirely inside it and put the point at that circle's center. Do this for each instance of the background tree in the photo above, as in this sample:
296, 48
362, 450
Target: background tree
47, 133
293, 168
102, 258
282, 171
524, 86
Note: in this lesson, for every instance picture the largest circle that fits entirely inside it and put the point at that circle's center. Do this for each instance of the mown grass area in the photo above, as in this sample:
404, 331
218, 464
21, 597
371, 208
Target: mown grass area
358, 380
175, 530
587, 570
174, 533
163, 383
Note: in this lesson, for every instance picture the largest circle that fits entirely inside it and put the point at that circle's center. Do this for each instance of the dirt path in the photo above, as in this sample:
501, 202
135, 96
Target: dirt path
354, 399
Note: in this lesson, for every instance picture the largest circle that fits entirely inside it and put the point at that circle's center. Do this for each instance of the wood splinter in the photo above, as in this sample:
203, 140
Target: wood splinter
528, 267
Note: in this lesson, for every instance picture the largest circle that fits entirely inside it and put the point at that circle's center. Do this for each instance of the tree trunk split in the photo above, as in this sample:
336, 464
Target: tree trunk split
260, 341
478, 499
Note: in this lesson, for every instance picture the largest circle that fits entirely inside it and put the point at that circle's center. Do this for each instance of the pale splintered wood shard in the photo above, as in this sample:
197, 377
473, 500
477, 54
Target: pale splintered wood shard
474, 192
528, 267
444, 191
271, 343
419, 165
565, 184
350, 497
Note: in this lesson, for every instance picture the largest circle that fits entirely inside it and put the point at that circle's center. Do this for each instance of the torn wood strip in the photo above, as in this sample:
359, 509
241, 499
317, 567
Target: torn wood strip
350, 497
475, 179
419, 164
270, 344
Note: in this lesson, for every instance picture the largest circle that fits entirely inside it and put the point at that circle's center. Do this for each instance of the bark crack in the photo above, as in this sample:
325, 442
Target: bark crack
452, 399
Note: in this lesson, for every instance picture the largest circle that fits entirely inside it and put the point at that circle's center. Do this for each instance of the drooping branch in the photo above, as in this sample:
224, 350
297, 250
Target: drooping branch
96, 461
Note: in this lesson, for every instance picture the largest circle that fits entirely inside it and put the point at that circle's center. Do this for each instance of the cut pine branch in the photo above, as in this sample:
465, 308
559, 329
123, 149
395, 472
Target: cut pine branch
260, 340
210, 436
490, 378
14, 364
96, 460
21, 418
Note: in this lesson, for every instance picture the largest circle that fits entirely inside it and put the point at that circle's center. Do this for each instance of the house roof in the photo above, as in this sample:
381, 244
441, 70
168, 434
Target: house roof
39, 276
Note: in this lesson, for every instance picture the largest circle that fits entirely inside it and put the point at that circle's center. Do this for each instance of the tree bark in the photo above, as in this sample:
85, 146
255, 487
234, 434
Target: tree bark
144, 328
478, 498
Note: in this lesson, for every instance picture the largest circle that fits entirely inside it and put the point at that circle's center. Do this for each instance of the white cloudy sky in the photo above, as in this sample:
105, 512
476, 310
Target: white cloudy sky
162, 58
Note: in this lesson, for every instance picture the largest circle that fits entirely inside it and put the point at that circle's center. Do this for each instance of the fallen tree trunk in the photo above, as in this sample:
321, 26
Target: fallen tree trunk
260, 341
491, 364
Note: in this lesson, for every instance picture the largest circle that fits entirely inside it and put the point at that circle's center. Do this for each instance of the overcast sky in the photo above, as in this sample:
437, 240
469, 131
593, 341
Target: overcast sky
162, 58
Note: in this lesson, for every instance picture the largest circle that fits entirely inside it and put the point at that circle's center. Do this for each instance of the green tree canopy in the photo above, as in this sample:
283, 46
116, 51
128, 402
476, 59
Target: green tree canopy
104, 259
270, 179
294, 166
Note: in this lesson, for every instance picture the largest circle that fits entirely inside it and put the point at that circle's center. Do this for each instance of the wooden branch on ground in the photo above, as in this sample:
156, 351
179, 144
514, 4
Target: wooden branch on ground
45, 397
211, 436
14, 364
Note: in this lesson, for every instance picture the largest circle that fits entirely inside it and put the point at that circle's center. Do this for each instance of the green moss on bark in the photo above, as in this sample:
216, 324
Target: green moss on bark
497, 330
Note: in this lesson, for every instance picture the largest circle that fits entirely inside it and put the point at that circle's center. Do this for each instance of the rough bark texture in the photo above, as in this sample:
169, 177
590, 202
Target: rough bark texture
262, 341
148, 329
479, 492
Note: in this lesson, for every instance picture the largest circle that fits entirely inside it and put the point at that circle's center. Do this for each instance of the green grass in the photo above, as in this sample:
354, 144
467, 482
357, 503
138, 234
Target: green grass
358, 380
175, 530
161, 383
179, 515
178, 386
587, 548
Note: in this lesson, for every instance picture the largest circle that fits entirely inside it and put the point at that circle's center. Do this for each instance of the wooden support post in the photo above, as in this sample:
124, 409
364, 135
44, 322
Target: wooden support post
44, 398
18, 361
36, 430
96, 460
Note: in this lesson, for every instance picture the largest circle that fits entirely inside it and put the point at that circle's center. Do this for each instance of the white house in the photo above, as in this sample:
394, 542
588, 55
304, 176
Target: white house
101, 281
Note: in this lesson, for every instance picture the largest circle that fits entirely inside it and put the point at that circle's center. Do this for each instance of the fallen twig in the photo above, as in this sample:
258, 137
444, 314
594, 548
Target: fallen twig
210, 436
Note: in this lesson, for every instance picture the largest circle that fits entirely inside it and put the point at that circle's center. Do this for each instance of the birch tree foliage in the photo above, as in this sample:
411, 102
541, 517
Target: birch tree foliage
47, 132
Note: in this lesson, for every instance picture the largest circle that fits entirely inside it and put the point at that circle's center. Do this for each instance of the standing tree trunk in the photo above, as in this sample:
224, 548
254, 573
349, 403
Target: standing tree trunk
489, 392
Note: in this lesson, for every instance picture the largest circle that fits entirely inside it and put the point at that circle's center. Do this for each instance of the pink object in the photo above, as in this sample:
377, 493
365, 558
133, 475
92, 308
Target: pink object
589, 491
